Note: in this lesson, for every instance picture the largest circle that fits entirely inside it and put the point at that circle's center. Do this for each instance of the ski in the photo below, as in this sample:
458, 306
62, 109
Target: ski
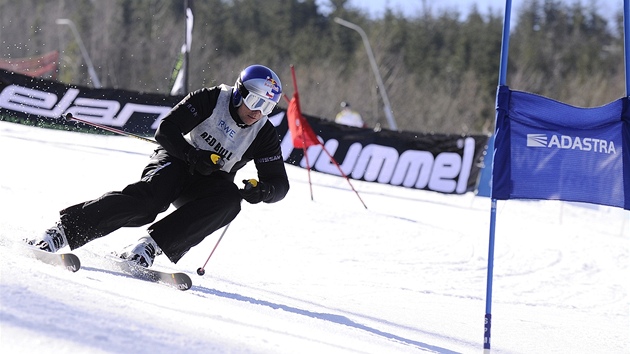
68, 261
177, 280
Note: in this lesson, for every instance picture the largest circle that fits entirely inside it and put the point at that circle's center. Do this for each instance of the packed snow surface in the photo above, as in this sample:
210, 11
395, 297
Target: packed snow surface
406, 275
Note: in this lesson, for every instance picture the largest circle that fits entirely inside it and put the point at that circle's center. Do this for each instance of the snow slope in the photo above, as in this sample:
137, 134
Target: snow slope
408, 275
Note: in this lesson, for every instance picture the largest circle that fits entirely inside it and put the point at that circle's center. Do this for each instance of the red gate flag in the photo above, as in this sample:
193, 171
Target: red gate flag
301, 132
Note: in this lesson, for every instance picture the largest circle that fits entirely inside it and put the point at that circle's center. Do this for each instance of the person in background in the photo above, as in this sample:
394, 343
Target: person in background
348, 116
203, 141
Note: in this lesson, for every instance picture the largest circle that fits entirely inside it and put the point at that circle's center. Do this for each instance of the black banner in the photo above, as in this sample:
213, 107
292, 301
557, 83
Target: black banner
41, 102
439, 162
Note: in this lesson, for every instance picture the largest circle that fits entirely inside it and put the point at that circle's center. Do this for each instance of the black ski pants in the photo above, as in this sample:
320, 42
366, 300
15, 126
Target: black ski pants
204, 204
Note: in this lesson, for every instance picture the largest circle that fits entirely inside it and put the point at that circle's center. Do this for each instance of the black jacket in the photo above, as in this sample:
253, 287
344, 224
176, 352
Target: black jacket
264, 150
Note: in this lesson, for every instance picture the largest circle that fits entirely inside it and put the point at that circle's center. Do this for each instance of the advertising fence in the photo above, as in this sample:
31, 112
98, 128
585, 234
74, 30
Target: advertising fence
444, 163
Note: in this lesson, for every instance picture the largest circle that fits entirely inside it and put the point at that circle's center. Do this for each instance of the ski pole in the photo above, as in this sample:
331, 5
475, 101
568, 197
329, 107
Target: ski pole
68, 117
201, 271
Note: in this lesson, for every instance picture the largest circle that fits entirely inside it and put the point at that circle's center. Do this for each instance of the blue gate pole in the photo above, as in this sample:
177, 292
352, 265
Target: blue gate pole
626, 42
493, 209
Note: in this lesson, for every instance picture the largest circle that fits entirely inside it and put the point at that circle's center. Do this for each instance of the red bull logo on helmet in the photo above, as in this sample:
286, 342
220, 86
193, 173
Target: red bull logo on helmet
272, 81
273, 85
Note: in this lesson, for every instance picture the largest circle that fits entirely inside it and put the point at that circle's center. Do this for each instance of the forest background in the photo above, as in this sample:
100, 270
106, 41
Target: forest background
440, 69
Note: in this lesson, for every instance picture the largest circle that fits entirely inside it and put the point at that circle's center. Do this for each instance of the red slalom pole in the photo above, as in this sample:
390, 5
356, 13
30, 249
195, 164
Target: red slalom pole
201, 270
304, 147
68, 117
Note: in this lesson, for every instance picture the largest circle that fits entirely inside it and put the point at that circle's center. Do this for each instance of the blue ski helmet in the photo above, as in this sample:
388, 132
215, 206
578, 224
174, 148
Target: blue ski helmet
259, 88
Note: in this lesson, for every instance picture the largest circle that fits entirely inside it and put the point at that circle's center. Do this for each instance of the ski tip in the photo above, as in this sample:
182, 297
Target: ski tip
71, 262
68, 261
181, 281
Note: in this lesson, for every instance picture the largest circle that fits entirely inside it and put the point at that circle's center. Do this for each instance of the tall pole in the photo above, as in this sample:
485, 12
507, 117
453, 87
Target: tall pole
387, 108
95, 81
187, 39
505, 44
626, 41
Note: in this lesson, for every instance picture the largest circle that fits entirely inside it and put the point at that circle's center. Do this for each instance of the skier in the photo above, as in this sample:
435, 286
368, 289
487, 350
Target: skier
204, 140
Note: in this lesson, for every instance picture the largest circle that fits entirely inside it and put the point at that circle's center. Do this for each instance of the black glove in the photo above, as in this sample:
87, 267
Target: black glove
255, 192
203, 161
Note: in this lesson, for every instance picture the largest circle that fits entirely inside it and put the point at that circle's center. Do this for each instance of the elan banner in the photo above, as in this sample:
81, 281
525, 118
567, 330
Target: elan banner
438, 162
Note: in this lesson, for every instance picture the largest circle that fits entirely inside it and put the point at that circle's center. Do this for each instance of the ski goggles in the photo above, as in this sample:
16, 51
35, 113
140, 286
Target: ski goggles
259, 103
